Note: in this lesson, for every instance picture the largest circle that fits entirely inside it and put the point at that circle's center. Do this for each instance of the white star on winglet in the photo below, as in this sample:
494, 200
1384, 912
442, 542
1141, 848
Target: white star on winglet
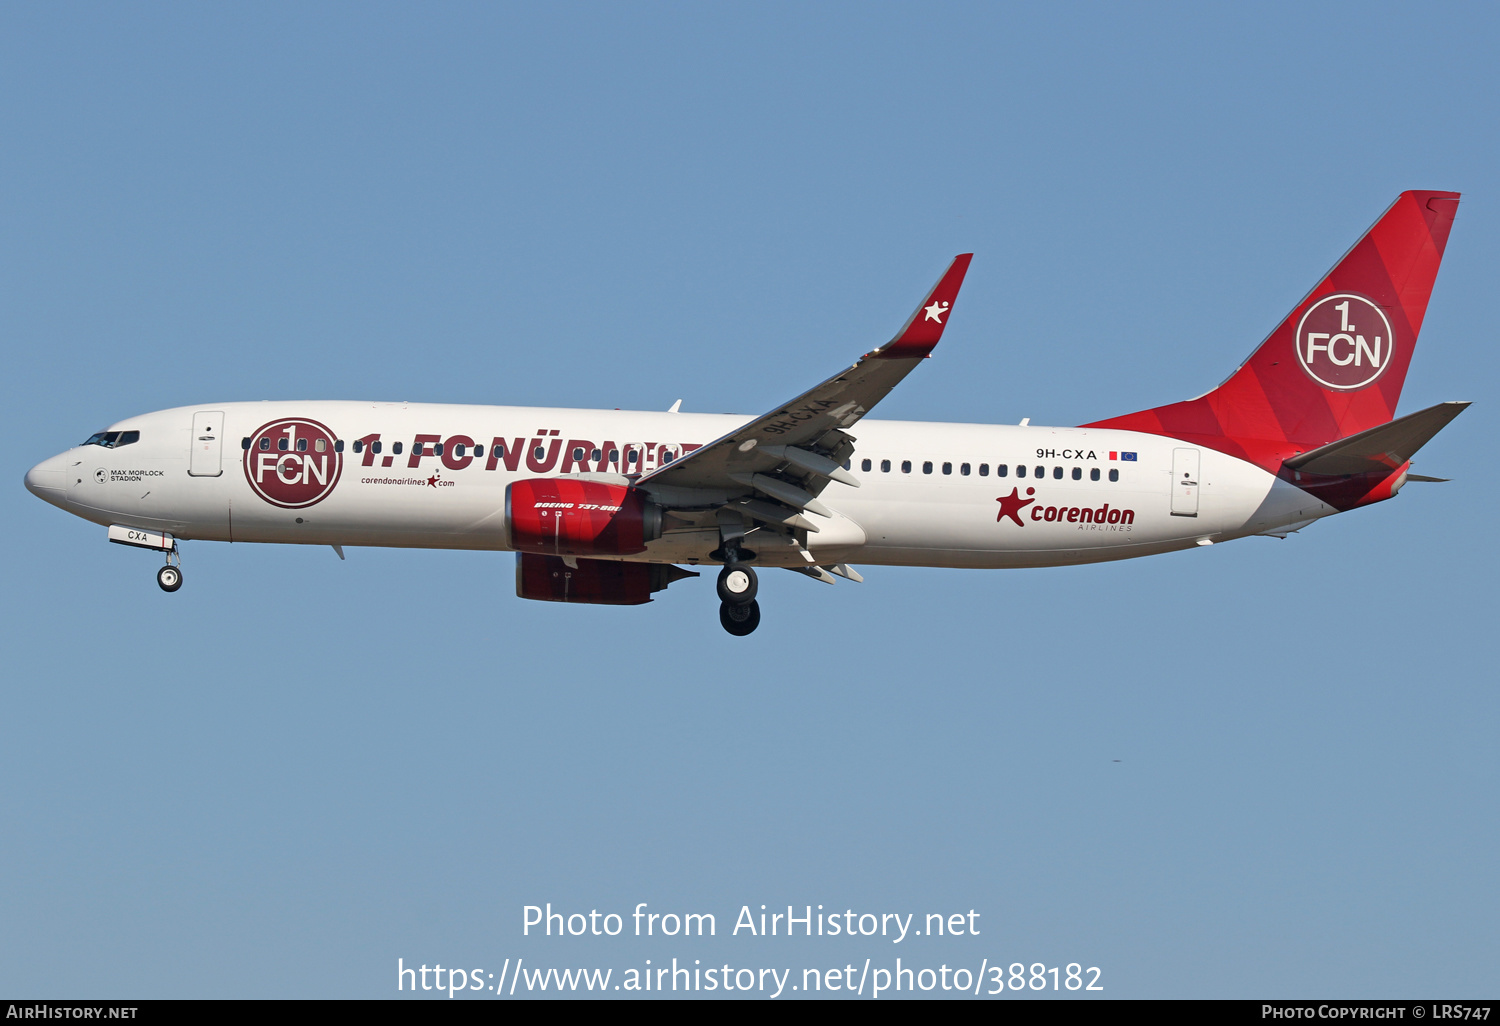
935, 312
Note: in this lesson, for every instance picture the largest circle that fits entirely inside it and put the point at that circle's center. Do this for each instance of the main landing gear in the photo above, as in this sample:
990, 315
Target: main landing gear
169, 577
739, 613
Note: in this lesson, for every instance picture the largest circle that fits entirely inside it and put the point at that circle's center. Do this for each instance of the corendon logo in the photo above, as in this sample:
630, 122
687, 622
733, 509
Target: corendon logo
293, 463
1344, 342
1012, 506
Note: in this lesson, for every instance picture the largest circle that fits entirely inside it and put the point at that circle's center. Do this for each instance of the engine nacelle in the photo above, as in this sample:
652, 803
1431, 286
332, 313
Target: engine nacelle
606, 582
568, 516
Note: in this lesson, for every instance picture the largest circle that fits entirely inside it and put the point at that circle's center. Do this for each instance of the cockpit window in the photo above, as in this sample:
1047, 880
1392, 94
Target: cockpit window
113, 439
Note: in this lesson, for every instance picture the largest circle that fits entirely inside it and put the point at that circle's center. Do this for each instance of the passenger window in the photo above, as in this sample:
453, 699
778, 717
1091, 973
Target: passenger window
396, 448
417, 449
926, 466
1057, 473
631, 456
459, 449
1094, 474
301, 445
244, 443
1114, 475
596, 455
865, 466
321, 445
478, 451
848, 464
1077, 473
964, 469
906, 466
437, 448
666, 457
984, 470
1002, 469
577, 453
947, 468
375, 447
1020, 472
1039, 472
359, 445
338, 445
498, 451
281, 445
885, 466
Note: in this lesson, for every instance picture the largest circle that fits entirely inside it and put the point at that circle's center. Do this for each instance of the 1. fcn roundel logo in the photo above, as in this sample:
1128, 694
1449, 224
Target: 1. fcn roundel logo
293, 462
1345, 342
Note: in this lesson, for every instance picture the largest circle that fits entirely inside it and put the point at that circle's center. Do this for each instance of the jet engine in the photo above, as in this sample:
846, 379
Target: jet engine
568, 516
605, 582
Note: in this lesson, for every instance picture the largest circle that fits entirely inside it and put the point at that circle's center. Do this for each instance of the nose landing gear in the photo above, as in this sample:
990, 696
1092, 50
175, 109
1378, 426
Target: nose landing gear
169, 577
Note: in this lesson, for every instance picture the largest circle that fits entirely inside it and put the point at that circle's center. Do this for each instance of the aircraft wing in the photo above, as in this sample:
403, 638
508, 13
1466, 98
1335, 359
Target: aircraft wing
790, 454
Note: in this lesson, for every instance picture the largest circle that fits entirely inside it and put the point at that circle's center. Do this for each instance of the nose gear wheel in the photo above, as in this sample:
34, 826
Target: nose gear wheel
169, 577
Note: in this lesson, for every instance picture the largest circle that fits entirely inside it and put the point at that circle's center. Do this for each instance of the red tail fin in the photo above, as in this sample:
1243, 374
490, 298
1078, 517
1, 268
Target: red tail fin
1336, 365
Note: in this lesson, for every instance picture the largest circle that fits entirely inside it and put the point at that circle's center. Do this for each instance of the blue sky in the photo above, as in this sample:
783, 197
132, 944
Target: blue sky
294, 771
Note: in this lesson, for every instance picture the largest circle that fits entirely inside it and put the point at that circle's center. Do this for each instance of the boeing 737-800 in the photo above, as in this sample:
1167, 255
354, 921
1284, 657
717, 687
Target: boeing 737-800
607, 506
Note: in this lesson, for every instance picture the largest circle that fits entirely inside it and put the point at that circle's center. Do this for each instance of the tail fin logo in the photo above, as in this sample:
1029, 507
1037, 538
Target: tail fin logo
1344, 342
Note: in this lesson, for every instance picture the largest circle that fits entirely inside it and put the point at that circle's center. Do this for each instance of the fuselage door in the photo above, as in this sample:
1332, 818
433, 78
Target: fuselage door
207, 445
1184, 482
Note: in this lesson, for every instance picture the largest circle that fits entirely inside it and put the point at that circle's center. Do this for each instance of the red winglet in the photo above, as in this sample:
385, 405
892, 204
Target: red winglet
919, 336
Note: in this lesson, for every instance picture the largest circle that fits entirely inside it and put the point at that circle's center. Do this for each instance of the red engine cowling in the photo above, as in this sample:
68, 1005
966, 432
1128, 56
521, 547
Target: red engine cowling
565, 516
605, 582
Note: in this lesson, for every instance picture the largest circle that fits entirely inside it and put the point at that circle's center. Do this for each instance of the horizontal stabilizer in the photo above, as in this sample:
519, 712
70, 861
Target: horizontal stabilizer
1382, 448
1428, 480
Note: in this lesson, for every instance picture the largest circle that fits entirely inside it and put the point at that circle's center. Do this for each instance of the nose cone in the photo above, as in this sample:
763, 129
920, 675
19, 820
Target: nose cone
48, 480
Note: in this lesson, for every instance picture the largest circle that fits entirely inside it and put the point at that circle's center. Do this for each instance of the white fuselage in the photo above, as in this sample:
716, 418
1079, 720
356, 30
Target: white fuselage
1088, 501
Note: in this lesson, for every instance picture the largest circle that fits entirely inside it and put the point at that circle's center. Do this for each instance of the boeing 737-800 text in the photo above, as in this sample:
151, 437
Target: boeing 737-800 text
606, 506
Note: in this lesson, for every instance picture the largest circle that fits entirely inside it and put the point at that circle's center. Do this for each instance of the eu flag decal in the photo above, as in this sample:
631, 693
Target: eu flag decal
1128, 457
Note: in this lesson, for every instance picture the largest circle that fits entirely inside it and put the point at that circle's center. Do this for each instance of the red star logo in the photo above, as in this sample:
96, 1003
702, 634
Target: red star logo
1012, 504
432, 481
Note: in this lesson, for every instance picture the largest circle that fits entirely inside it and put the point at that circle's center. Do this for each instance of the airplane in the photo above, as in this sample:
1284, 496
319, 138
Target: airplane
609, 506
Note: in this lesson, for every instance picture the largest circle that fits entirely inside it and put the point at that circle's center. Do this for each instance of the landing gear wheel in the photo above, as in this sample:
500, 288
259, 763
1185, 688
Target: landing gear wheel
739, 618
737, 584
169, 577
